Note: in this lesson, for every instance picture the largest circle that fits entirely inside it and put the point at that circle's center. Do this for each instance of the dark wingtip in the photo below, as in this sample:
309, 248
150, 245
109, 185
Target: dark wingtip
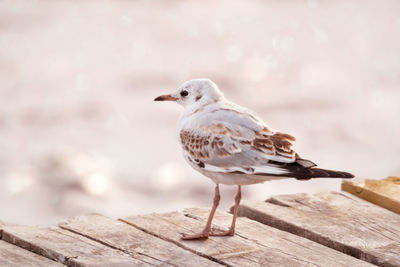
348, 175
323, 173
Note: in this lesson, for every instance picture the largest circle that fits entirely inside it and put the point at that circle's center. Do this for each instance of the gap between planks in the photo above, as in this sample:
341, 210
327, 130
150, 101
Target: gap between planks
130, 239
173, 242
253, 244
65, 247
65, 244
11, 255
340, 221
108, 245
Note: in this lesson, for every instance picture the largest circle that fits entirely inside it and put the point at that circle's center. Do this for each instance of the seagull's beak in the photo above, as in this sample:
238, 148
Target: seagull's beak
166, 98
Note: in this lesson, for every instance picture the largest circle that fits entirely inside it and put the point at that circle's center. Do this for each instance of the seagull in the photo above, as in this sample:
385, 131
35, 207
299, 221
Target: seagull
232, 146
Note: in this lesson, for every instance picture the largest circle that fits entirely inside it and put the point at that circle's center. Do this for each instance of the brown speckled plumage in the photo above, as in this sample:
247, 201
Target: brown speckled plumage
200, 146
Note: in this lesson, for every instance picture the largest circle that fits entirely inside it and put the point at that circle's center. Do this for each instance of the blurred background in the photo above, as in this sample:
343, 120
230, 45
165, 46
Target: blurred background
79, 131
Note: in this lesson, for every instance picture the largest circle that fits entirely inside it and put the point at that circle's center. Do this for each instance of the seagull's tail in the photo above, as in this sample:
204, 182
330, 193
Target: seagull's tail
303, 169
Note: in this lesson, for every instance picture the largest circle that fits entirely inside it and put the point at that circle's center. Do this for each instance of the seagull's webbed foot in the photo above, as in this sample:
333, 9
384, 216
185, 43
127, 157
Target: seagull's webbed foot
219, 232
203, 235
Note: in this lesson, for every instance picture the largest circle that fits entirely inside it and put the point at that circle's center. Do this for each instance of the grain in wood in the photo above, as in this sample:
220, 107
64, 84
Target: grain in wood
133, 241
254, 243
66, 247
336, 220
11, 255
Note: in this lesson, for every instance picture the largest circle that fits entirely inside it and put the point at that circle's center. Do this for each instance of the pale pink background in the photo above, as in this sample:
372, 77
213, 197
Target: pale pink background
79, 131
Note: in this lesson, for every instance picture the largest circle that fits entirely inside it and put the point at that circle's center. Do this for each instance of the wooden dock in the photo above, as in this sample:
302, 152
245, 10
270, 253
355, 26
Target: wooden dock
324, 229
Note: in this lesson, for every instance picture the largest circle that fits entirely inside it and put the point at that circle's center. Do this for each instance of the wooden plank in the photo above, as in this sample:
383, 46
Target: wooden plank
253, 244
385, 193
336, 220
66, 247
133, 241
11, 255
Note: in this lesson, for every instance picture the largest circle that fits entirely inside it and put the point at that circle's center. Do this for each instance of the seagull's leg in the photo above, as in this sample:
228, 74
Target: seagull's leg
231, 230
207, 229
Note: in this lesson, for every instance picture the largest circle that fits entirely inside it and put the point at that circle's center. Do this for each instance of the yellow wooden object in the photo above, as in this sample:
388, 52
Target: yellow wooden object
385, 193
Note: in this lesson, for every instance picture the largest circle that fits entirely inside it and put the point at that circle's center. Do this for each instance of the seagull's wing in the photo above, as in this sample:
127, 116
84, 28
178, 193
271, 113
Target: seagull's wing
228, 140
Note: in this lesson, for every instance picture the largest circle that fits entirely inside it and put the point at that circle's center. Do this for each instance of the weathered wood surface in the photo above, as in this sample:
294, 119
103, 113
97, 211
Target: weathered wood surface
385, 193
11, 255
336, 220
307, 230
65, 247
138, 244
254, 244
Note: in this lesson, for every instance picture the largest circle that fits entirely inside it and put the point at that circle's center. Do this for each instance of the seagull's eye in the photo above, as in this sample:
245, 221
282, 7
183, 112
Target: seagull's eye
184, 93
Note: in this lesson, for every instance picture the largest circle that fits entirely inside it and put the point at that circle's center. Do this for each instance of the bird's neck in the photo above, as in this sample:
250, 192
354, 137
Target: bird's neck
199, 107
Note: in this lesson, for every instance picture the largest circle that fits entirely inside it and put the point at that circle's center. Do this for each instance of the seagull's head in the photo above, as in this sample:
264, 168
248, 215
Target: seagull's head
194, 92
